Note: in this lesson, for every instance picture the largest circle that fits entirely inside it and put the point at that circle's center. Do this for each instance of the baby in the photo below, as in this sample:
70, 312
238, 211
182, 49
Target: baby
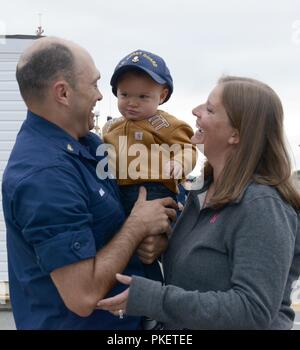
142, 81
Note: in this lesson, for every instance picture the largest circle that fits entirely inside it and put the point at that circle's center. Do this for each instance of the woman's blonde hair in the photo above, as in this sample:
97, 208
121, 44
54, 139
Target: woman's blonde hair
255, 110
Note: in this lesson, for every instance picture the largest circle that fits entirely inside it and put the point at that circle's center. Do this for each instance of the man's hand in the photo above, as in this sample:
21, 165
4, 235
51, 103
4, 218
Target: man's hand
153, 217
151, 248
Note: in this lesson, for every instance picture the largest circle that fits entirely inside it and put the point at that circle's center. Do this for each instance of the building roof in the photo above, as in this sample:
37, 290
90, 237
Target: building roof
21, 36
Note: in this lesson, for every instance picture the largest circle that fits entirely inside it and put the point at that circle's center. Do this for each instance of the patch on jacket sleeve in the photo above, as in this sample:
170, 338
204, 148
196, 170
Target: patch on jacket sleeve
158, 122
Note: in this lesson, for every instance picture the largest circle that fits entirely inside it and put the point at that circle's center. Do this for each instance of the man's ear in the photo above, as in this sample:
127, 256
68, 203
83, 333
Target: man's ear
163, 95
61, 92
234, 138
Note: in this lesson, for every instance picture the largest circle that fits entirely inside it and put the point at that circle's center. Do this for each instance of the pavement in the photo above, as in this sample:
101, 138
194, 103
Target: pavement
297, 321
7, 321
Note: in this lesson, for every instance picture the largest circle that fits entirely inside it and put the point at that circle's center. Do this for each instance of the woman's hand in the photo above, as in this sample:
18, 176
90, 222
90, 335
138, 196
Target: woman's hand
117, 304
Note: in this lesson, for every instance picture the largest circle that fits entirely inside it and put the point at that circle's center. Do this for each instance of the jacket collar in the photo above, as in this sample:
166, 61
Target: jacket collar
56, 135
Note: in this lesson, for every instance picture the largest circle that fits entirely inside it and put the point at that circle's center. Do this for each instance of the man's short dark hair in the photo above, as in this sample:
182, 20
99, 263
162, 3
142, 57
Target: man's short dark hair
43, 67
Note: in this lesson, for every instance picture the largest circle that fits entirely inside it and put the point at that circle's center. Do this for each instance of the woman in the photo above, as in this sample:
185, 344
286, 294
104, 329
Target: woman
235, 251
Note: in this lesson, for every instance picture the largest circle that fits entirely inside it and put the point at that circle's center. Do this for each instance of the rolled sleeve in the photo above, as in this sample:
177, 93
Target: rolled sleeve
69, 248
51, 209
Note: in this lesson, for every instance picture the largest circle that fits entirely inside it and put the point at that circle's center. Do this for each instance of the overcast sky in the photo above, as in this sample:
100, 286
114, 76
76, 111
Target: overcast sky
200, 40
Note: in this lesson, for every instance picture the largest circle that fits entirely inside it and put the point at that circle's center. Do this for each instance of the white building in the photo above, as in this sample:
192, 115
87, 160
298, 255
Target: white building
12, 114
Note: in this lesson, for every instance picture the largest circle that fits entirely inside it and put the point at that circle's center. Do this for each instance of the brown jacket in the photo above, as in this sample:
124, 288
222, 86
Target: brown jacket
162, 129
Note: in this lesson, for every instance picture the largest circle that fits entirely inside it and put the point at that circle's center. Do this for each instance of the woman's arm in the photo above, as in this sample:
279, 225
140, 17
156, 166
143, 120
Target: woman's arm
262, 251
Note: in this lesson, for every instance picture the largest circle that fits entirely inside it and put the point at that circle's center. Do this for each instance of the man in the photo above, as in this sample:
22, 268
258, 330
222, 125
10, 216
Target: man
66, 236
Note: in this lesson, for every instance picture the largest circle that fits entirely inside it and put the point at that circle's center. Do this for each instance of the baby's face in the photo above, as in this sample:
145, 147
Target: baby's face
139, 96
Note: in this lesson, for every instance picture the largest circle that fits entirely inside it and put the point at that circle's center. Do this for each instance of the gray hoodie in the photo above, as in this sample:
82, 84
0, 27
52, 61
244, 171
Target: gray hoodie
226, 269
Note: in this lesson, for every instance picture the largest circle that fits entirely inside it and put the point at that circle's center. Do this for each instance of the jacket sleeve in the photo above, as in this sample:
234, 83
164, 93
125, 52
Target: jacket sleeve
181, 135
105, 129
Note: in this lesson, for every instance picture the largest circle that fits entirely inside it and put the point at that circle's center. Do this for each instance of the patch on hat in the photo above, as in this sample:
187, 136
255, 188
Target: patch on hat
135, 59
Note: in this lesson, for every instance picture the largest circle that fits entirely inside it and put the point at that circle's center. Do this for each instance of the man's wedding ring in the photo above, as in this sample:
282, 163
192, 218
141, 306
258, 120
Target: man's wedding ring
121, 314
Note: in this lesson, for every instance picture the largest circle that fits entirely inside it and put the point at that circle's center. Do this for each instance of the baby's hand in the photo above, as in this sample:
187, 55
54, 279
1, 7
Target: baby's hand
180, 206
173, 170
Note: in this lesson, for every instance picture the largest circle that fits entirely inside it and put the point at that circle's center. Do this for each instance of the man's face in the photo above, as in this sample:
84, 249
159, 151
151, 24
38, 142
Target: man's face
85, 94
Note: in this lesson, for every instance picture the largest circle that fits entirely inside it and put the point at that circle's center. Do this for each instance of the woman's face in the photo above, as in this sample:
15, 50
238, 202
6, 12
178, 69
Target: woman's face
214, 129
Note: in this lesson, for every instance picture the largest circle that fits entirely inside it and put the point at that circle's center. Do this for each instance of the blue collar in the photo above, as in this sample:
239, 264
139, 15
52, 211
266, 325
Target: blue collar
58, 136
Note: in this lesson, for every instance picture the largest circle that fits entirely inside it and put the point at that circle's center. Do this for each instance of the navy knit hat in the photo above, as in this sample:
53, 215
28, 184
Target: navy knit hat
145, 61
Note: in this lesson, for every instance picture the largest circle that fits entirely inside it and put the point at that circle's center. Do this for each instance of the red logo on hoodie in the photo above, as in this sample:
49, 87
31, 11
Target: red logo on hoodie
214, 218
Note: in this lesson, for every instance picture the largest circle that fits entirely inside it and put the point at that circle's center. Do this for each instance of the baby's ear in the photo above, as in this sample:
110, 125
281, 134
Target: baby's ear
163, 95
